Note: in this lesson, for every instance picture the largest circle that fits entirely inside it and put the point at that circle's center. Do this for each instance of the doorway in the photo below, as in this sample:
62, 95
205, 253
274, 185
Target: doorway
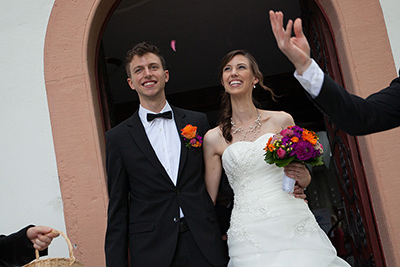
192, 43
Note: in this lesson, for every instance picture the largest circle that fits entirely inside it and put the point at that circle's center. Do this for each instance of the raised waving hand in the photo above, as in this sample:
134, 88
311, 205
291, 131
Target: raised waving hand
296, 48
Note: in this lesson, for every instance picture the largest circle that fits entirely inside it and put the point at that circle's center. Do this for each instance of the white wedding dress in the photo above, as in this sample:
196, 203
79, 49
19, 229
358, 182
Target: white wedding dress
268, 226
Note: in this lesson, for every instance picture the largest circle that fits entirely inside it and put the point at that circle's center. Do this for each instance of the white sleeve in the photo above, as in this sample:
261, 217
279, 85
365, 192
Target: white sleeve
312, 79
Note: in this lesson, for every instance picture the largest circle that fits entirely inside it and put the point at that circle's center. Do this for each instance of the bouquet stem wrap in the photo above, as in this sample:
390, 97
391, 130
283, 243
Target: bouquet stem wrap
288, 184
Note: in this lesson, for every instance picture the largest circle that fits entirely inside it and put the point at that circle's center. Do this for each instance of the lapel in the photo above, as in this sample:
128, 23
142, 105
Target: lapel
137, 132
181, 121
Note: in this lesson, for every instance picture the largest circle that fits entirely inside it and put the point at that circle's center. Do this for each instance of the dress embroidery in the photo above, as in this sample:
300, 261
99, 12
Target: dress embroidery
307, 224
246, 204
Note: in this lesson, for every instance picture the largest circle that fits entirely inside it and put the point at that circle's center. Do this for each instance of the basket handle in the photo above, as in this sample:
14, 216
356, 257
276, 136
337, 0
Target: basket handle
71, 254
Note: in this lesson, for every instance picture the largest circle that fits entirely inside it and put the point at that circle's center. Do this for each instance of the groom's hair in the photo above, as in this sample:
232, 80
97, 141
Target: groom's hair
140, 50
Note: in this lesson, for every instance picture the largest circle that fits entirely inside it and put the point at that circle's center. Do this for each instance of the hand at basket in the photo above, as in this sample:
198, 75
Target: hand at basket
41, 236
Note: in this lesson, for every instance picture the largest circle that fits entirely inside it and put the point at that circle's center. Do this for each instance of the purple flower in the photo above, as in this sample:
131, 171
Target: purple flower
297, 131
292, 149
297, 128
285, 140
193, 141
281, 153
304, 151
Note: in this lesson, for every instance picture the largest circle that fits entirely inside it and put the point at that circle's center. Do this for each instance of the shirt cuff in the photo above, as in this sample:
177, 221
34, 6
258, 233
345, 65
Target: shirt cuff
312, 79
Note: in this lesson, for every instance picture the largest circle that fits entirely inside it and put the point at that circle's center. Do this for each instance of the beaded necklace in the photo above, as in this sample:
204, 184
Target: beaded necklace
255, 129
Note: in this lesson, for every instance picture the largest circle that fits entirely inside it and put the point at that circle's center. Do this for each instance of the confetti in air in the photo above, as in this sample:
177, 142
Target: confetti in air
173, 45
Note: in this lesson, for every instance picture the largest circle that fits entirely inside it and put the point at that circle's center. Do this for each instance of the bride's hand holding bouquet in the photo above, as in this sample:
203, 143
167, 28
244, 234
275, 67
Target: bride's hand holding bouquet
293, 144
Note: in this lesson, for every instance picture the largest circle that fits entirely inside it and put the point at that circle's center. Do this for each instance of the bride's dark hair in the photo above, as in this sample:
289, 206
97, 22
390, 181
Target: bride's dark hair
226, 106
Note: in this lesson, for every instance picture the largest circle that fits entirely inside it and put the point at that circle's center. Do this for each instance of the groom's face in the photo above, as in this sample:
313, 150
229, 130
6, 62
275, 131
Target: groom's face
148, 77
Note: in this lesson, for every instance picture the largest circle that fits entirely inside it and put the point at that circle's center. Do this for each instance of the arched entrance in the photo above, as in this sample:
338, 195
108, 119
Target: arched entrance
69, 62
71, 46
357, 213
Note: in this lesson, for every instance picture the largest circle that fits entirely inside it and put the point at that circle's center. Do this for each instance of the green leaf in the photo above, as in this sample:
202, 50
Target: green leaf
284, 162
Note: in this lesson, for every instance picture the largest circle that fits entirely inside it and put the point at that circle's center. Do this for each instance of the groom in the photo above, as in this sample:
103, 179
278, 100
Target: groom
159, 209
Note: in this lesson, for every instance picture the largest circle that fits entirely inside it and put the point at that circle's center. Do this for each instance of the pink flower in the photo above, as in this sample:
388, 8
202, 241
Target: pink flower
287, 132
281, 153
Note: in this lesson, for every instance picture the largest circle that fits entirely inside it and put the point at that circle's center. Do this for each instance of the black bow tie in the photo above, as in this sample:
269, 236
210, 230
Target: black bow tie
165, 115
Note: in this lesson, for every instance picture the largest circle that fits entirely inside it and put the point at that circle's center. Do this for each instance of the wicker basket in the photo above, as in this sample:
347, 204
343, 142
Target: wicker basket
56, 262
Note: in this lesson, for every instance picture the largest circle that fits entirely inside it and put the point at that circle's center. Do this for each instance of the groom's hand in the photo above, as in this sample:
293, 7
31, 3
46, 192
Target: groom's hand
299, 193
295, 48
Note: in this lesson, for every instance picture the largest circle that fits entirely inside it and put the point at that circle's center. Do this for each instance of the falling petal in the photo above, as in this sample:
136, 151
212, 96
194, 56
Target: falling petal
173, 45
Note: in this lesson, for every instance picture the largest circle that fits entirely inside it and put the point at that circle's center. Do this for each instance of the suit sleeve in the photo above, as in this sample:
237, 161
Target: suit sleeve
116, 244
17, 249
357, 116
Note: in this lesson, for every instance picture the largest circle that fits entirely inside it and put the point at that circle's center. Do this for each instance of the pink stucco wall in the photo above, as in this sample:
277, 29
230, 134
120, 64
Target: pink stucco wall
368, 66
69, 58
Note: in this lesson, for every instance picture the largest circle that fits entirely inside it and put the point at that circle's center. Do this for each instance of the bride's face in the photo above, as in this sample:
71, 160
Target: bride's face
237, 75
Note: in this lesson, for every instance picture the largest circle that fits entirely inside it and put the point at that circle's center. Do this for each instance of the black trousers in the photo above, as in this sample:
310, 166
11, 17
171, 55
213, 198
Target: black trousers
187, 253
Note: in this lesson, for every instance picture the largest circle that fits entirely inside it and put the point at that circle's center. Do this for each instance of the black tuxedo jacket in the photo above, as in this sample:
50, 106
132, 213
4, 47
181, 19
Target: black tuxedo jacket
357, 116
17, 249
143, 211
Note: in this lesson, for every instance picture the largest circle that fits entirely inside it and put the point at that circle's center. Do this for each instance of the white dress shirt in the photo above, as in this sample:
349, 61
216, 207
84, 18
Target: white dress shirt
312, 79
165, 140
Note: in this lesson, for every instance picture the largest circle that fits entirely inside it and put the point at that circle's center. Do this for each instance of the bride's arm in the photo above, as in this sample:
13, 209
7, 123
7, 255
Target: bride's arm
213, 164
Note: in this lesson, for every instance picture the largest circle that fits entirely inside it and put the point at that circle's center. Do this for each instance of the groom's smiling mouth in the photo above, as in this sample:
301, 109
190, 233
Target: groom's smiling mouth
149, 83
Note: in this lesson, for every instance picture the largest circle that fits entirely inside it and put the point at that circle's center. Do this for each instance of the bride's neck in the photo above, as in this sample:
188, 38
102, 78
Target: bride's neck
242, 113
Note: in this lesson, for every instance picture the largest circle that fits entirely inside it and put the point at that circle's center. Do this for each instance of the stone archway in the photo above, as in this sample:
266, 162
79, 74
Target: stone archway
69, 62
367, 65
70, 76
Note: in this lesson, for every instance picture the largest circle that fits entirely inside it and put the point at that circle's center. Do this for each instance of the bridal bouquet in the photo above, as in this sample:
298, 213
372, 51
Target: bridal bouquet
293, 144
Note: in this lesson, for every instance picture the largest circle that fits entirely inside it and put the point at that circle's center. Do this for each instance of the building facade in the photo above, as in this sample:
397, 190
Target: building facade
52, 135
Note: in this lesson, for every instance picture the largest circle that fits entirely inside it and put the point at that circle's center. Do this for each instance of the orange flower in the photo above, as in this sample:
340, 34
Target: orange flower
294, 139
269, 146
309, 136
189, 131
197, 144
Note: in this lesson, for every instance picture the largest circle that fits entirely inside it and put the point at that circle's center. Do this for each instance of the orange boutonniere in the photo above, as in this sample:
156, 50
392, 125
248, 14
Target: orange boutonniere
190, 136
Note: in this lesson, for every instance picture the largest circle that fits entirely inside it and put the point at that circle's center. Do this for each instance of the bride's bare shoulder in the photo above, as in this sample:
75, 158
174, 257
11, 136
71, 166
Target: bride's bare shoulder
213, 135
280, 118
213, 138
214, 132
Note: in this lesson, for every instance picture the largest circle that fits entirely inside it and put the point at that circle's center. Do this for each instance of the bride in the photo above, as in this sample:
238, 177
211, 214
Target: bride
268, 226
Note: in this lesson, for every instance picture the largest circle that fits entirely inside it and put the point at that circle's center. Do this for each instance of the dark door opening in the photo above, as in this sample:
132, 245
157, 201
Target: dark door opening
203, 34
